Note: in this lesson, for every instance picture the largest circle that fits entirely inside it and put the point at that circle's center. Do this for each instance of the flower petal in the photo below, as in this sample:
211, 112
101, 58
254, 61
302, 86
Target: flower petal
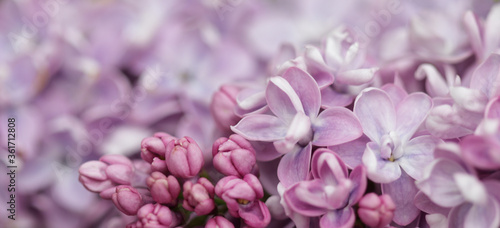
294, 166
336, 126
411, 112
376, 113
418, 153
486, 76
358, 178
351, 152
479, 152
457, 215
396, 93
379, 170
282, 99
327, 166
356, 77
260, 127
306, 88
425, 204
343, 218
307, 198
331, 98
256, 215
402, 192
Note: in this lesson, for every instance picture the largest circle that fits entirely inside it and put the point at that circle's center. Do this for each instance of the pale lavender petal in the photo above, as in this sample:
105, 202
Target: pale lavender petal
424, 203
396, 93
336, 126
435, 84
418, 153
469, 99
306, 88
457, 215
316, 66
411, 112
307, 198
351, 152
260, 127
492, 34
474, 28
479, 152
294, 166
379, 170
250, 101
493, 108
331, 98
402, 192
376, 113
358, 178
356, 77
299, 131
486, 76
265, 151
439, 185
483, 215
282, 99
343, 218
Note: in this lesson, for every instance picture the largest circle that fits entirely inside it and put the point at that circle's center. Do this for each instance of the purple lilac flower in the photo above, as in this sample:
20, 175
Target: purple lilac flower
330, 194
184, 157
109, 171
219, 222
155, 215
295, 101
153, 150
376, 211
163, 189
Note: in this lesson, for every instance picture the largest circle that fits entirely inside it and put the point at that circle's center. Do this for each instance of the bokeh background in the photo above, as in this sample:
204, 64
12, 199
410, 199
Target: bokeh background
85, 78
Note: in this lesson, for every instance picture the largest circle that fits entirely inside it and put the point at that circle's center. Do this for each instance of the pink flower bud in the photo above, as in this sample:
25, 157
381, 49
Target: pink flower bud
222, 106
242, 199
219, 222
109, 171
184, 157
157, 216
163, 189
153, 150
234, 156
376, 211
199, 197
127, 199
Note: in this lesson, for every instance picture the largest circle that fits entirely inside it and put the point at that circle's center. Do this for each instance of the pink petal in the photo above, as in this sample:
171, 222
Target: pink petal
306, 88
260, 127
358, 177
282, 99
294, 166
376, 113
486, 76
307, 198
336, 126
331, 98
343, 218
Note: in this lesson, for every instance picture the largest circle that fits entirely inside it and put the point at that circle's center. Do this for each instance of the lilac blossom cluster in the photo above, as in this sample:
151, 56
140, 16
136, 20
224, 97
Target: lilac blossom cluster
273, 113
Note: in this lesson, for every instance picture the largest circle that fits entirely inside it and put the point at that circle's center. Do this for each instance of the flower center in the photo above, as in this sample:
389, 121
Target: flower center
390, 147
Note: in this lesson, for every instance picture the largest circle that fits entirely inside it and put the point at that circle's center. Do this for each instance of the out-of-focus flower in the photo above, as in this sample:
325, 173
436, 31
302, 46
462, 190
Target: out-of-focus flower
164, 190
330, 194
451, 183
234, 156
109, 171
184, 157
219, 222
155, 215
127, 199
198, 197
376, 211
153, 150
242, 199
223, 105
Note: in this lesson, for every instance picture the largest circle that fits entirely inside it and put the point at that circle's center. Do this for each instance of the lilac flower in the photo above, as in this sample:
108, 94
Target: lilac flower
109, 171
219, 222
451, 183
234, 156
163, 189
483, 35
376, 211
294, 99
389, 119
199, 197
242, 199
330, 194
184, 157
156, 215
